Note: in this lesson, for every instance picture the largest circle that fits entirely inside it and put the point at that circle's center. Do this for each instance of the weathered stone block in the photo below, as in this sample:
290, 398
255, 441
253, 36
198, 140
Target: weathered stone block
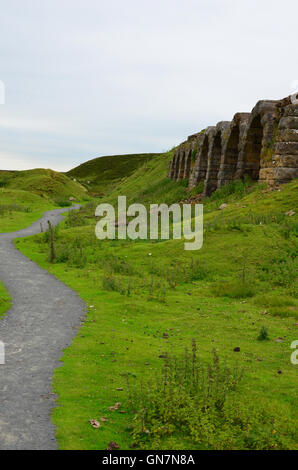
288, 161
283, 175
290, 148
288, 135
290, 122
291, 110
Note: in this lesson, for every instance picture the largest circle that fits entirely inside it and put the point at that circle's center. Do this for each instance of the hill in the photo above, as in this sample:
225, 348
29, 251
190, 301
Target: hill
101, 173
46, 183
25, 195
149, 300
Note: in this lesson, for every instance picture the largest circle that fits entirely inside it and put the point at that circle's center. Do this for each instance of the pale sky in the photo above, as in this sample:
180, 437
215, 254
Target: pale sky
86, 78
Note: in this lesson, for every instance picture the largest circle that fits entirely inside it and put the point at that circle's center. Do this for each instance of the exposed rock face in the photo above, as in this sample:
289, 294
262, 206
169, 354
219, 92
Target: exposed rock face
262, 144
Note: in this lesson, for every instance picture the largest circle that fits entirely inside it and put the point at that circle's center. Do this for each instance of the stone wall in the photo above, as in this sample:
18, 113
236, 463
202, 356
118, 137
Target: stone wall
262, 144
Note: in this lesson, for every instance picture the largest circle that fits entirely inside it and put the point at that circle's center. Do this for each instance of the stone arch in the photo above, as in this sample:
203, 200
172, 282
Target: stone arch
258, 143
175, 165
187, 166
181, 164
253, 148
213, 165
203, 159
200, 166
214, 156
232, 139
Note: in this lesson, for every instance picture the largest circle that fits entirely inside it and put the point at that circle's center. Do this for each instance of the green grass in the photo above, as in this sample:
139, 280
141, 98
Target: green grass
45, 183
101, 174
26, 195
147, 298
19, 209
4, 300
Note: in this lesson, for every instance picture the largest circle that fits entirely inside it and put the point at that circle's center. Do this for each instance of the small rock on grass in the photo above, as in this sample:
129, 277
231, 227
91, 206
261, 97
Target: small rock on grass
115, 407
94, 424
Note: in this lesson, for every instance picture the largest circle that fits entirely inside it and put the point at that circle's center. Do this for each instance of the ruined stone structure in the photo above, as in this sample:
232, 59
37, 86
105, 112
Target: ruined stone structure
262, 144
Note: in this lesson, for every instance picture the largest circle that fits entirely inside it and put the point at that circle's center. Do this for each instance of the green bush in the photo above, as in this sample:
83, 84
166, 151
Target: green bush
263, 335
63, 202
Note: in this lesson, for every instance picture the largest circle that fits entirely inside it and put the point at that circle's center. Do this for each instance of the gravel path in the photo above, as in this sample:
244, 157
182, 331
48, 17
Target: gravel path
38, 327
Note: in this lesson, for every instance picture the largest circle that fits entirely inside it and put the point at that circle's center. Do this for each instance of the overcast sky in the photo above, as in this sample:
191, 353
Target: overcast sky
86, 78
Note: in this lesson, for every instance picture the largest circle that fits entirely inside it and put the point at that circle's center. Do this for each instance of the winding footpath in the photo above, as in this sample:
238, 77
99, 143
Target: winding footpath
37, 328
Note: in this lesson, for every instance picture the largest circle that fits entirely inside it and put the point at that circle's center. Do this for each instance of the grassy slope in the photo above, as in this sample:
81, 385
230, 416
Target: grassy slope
19, 209
102, 173
46, 183
123, 333
149, 184
4, 300
25, 195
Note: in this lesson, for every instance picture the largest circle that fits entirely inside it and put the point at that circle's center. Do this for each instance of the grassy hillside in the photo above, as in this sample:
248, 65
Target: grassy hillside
25, 195
149, 184
100, 174
45, 183
148, 300
19, 209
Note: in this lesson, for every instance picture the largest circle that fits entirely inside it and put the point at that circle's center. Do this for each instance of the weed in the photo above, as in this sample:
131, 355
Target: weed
263, 335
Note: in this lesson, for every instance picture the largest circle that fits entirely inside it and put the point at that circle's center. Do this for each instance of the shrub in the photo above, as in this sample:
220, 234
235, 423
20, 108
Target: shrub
263, 335
202, 403
63, 202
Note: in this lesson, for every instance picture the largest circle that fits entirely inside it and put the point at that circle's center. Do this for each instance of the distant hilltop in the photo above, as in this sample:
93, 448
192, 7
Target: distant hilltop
262, 144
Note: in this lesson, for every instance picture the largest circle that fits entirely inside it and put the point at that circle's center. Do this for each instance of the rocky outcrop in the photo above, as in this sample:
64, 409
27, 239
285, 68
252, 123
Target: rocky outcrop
262, 145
